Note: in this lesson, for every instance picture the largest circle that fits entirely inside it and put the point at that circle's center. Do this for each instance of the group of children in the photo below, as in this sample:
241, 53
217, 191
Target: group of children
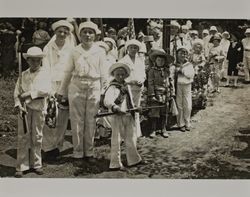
170, 80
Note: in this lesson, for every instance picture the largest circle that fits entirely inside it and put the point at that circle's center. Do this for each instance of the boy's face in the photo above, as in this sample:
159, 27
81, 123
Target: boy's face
197, 48
182, 56
216, 43
34, 62
160, 61
120, 74
87, 35
62, 33
133, 49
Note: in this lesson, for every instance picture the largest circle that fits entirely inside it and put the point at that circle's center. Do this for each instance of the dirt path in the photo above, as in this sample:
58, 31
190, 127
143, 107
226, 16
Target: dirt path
216, 147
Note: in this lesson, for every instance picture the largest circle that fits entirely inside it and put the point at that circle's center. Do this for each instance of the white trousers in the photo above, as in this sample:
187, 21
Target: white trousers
246, 62
123, 126
137, 94
184, 104
84, 97
29, 145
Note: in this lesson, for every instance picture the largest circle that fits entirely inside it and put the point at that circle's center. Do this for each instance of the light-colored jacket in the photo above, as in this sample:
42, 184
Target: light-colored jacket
187, 74
85, 64
37, 84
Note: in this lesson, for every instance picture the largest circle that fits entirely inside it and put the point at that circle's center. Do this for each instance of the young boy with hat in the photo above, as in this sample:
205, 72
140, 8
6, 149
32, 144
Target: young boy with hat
31, 89
185, 75
118, 99
160, 89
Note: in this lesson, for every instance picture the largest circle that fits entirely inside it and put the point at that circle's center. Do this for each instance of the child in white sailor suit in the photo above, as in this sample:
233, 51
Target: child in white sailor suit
31, 89
118, 99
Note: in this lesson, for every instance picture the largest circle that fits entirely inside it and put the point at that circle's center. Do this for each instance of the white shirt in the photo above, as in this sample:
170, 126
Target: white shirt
89, 64
137, 69
38, 84
246, 45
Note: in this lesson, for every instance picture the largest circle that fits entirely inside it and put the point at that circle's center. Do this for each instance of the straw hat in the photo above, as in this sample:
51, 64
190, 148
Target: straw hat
62, 23
33, 52
119, 65
160, 52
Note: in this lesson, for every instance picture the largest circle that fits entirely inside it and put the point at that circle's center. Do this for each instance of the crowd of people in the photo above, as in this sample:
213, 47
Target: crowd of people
106, 84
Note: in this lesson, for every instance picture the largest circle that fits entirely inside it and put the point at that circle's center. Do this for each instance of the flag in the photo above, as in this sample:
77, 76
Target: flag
131, 29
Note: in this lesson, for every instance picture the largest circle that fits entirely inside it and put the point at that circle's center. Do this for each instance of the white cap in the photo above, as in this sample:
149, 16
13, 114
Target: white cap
88, 24
213, 28
62, 23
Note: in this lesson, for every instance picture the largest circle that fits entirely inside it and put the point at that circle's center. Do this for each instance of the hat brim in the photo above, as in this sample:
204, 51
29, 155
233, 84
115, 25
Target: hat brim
154, 54
25, 56
119, 65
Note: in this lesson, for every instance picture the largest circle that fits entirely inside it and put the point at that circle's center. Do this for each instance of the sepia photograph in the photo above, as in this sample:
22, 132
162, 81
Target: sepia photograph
101, 98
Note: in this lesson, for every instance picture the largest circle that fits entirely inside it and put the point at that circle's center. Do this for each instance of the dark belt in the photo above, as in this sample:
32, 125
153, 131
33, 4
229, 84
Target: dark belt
247, 50
38, 98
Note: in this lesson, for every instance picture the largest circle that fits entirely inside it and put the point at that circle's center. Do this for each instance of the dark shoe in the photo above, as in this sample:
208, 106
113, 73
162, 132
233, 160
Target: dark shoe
118, 169
39, 171
165, 134
19, 174
142, 162
90, 159
182, 129
187, 128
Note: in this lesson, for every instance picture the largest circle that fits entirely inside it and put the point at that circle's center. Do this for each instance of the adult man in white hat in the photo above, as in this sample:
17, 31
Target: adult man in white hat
137, 75
246, 55
57, 54
31, 88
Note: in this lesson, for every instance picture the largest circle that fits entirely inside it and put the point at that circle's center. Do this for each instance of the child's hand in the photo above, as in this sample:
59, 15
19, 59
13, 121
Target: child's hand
118, 110
24, 96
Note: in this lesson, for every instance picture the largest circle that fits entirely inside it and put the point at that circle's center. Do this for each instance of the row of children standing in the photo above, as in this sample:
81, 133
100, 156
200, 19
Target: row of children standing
79, 74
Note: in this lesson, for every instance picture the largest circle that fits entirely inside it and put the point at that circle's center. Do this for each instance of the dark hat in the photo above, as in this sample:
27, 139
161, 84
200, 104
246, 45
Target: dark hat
160, 53
215, 37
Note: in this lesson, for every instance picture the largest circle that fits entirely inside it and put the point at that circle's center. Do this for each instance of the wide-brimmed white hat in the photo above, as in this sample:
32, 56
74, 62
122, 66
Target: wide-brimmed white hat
247, 31
108, 39
33, 52
213, 28
132, 42
88, 24
62, 23
119, 65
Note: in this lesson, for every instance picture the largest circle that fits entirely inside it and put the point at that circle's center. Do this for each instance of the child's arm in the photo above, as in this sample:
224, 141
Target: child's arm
109, 100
